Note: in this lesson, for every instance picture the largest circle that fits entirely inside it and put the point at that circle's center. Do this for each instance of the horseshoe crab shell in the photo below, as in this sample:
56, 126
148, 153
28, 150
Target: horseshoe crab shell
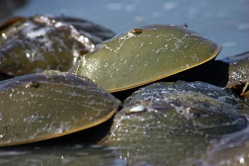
38, 43
145, 55
42, 106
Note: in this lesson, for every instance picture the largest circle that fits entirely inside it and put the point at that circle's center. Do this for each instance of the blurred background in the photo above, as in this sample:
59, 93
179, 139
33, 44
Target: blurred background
224, 21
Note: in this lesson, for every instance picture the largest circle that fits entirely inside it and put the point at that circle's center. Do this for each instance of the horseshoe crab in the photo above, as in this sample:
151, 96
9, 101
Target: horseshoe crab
38, 43
144, 55
42, 106
166, 123
238, 73
152, 53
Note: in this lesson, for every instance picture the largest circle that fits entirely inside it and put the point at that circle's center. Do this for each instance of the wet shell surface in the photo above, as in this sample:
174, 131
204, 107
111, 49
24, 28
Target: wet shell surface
197, 107
159, 90
37, 107
90, 30
179, 119
38, 43
239, 73
144, 55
